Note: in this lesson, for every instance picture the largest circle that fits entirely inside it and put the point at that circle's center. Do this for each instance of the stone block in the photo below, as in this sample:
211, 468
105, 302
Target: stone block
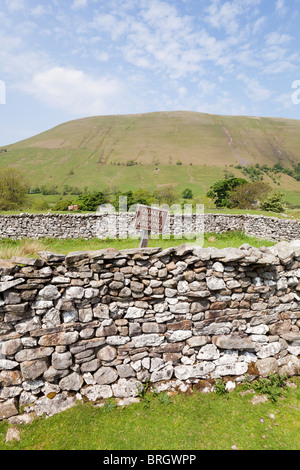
233, 342
8, 408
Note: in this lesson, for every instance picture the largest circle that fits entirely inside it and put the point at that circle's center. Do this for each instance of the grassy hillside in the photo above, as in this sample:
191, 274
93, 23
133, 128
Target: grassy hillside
186, 149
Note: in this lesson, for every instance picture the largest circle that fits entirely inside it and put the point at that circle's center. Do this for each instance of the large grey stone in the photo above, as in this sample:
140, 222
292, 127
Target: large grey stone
134, 312
215, 283
209, 352
267, 366
10, 347
61, 360
72, 382
96, 392
107, 353
6, 364
179, 335
105, 376
33, 369
234, 369
233, 342
267, 350
199, 370
75, 292
8, 408
55, 405
165, 373
147, 340
49, 293
59, 339
125, 370
32, 354
117, 340
4, 286
126, 388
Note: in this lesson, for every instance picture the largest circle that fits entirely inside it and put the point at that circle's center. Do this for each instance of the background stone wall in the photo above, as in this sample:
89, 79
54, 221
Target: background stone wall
122, 225
94, 325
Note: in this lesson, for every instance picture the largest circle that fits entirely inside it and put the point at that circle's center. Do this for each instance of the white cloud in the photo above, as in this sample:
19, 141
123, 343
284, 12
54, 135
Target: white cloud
276, 38
78, 4
285, 101
206, 87
228, 15
224, 16
259, 24
109, 23
19, 65
182, 91
38, 10
254, 89
281, 8
76, 92
15, 5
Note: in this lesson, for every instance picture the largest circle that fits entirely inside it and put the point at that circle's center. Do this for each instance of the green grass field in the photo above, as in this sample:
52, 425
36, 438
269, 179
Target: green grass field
27, 247
184, 149
196, 421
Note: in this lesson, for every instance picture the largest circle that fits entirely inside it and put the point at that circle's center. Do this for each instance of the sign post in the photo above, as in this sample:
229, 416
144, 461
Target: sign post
149, 219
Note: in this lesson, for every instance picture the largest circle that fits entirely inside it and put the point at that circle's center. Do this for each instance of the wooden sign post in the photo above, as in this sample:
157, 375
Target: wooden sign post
149, 219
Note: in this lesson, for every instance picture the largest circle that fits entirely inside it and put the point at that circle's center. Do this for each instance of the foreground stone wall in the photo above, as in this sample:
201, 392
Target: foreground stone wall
94, 325
122, 225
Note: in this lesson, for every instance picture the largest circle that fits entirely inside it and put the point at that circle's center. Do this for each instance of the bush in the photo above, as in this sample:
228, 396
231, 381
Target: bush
187, 194
249, 195
13, 189
62, 205
273, 203
141, 196
220, 191
91, 202
40, 205
166, 195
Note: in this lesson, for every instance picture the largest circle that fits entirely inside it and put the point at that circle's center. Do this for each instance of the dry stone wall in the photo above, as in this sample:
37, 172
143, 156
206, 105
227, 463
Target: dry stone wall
122, 225
101, 324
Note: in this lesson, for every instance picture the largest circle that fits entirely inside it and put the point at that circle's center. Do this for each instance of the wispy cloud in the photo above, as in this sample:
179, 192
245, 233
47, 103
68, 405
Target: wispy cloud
281, 8
78, 4
254, 89
76, 91
93, 57
15, 5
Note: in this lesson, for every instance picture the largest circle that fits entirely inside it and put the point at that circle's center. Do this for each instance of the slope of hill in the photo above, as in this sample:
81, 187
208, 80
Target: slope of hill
187, 149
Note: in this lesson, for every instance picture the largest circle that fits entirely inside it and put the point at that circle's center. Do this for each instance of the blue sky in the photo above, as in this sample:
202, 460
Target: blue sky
63, 60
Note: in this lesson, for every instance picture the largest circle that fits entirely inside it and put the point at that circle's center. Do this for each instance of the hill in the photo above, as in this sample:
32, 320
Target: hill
187, 149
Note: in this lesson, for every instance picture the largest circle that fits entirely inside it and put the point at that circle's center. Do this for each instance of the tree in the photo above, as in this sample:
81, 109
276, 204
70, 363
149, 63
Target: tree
220, 191
273, 203
62, 205
13, 189
140, 196
187, 194
249, 195
167, 195
91, 202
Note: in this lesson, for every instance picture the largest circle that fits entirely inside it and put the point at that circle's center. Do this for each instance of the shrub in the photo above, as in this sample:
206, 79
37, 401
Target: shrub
220, 191
249, 195
273, 203
62, 205
91, 202
187, 194
13, 189
40, 205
